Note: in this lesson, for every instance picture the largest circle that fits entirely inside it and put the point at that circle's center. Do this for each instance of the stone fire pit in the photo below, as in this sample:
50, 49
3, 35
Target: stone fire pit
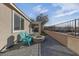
38, 38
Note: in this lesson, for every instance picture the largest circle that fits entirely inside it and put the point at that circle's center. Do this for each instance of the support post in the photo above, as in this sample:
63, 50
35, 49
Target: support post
75, 27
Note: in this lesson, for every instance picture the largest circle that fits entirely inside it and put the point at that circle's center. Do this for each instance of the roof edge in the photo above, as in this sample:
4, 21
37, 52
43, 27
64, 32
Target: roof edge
21, 12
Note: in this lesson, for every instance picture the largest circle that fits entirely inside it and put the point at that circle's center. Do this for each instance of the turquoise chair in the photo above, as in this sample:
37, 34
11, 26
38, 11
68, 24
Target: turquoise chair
25, 38
29, 38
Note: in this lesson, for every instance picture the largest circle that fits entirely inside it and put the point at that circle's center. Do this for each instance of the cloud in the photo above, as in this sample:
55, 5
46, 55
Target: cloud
44, 11
66, 9
30, 15
40, 9
67, 14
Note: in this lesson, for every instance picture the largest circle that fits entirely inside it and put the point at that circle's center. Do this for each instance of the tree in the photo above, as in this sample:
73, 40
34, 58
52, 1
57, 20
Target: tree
42, 18
32, 20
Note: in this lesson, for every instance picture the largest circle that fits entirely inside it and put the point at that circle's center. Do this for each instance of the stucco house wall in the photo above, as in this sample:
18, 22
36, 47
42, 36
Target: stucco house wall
7, 36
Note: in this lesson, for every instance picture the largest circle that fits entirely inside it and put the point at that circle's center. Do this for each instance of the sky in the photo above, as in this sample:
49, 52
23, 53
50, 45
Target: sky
57, 12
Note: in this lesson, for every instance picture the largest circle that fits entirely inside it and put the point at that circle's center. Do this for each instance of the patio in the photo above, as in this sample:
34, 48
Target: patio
49, 47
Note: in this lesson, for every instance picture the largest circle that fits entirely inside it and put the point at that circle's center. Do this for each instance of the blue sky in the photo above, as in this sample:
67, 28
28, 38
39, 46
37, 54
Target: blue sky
57, 12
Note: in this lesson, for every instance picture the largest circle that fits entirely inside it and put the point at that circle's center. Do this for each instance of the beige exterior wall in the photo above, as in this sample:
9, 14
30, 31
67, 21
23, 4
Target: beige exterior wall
27, 26
73, 44
5, 28
7, 36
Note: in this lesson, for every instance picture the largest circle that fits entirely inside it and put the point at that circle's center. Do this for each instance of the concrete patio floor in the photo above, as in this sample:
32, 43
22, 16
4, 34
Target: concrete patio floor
49, 47
20, 50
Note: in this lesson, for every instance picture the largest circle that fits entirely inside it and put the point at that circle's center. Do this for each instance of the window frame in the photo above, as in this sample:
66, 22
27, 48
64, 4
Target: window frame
20, 22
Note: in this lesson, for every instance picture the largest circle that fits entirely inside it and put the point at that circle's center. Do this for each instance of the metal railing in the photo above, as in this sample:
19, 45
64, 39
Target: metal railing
69, 27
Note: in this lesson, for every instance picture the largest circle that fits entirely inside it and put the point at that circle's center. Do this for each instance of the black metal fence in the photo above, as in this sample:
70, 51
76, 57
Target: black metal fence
69, 27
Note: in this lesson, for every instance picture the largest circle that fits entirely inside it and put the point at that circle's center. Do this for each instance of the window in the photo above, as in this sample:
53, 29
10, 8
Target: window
18, 22
22, 24
35, 29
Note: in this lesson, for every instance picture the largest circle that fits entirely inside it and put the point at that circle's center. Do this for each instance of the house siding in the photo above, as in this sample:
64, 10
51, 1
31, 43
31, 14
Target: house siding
7, 36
